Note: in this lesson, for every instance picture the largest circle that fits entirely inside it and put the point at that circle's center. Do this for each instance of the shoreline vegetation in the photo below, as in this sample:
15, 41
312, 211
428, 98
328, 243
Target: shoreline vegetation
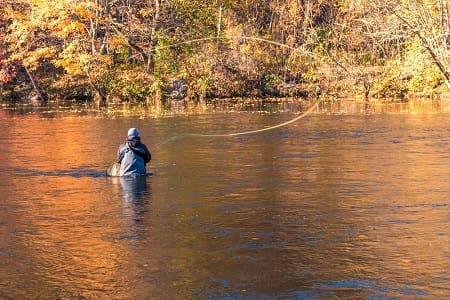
158, 54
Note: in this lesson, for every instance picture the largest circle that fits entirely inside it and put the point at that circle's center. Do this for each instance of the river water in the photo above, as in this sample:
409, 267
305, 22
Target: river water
335, 206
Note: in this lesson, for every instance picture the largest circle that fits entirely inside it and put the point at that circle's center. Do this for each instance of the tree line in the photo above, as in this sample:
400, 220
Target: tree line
112, 51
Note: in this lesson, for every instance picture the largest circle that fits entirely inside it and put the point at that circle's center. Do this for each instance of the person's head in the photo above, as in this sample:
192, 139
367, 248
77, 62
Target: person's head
133, 132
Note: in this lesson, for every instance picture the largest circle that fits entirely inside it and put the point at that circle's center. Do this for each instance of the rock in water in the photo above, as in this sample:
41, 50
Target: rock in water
178, 89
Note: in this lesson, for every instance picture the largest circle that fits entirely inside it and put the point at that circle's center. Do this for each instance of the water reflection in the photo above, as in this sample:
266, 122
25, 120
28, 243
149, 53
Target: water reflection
294, 105
133, 188
134, 191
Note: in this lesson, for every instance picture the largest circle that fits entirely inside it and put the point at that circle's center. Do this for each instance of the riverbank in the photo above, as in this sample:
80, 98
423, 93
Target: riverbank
144, 53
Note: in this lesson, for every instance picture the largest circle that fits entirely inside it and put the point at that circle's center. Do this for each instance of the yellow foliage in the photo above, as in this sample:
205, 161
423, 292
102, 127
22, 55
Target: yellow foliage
83, 12
77, 62
71, 67
65, 29
419, 67
103, 60
117, 41
145, 12
32, 61
293, 9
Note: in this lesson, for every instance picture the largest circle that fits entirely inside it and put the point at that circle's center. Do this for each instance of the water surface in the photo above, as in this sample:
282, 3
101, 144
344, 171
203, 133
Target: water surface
349, 206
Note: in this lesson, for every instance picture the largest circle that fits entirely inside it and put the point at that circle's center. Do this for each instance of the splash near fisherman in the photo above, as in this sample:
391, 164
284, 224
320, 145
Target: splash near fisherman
132, 156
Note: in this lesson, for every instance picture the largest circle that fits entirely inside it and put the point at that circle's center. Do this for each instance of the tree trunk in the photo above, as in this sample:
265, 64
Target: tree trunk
219, 24
153, 39
99, 93
40, 95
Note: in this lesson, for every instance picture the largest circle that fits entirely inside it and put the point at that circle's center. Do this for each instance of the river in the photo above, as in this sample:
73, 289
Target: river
339, 205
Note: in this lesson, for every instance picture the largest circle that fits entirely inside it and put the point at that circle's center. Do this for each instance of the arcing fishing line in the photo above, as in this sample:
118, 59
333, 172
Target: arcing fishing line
304, 114
244, 132
258, 39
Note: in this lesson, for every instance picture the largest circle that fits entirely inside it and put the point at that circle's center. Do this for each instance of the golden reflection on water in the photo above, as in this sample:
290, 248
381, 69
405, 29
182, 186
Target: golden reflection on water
66, 237
326, 201
71, 109
377, 106
68, 229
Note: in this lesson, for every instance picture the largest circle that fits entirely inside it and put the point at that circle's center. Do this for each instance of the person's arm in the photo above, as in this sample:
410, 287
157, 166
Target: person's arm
148, 155
119, 153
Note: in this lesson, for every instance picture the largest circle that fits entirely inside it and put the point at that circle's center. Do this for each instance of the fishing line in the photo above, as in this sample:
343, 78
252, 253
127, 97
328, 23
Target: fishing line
113, 168
304, 114
242, 37
303, 48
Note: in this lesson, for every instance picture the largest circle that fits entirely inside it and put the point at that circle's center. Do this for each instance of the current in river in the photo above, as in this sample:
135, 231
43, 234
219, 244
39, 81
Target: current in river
334, 206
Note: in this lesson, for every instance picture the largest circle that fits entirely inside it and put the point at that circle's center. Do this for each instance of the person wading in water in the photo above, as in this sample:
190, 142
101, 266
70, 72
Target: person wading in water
133, 155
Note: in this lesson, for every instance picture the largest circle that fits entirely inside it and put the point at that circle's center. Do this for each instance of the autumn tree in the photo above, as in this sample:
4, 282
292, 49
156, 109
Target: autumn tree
7, 70
428, 22
64, 34
131, 50
27, 44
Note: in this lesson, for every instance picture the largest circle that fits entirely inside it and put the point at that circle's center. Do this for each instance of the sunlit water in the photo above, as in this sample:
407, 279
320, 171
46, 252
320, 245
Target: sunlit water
336, 206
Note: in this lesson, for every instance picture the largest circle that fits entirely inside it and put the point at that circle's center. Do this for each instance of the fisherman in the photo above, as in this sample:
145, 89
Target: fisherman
133, 155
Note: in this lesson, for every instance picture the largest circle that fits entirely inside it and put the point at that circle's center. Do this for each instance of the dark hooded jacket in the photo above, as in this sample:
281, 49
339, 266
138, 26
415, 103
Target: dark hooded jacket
133, 157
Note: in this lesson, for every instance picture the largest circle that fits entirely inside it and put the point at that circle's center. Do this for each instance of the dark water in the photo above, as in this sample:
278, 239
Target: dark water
349, 206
